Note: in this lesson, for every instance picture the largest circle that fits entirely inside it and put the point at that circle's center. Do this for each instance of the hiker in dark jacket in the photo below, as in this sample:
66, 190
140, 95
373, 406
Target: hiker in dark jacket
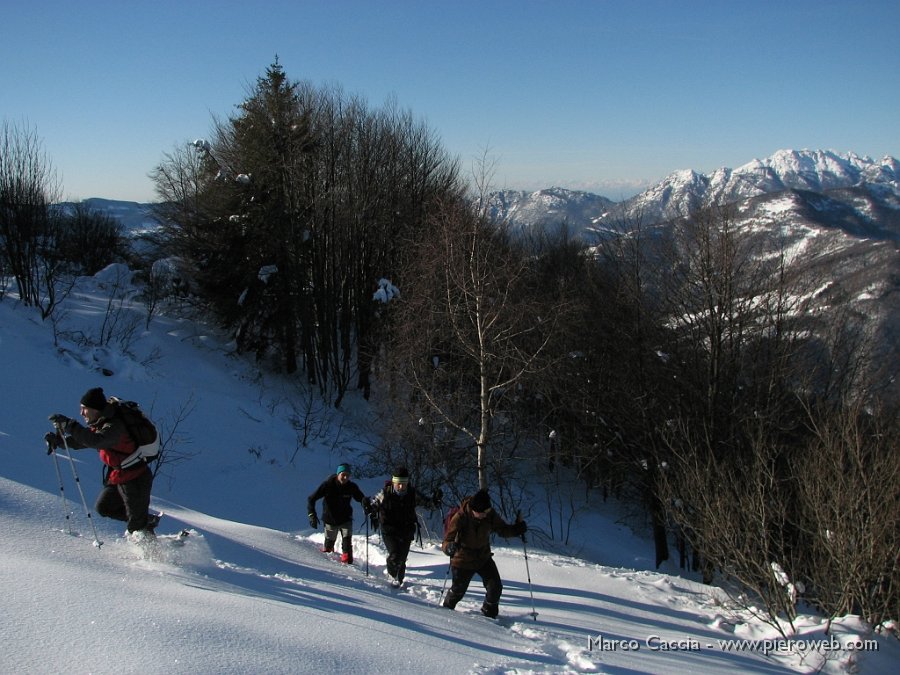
337, 511
126, 492
468, 543
394, 511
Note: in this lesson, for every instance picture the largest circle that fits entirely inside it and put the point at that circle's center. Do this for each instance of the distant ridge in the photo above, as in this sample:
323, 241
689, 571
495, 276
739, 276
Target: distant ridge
818, 171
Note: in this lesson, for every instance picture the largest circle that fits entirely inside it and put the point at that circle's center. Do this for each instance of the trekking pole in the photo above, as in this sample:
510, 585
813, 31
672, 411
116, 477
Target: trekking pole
534, 613
87, 511
367, 544
62, 489
443, 588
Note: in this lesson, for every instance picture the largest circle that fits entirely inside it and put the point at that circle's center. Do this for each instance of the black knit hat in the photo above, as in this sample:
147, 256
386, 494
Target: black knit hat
94, 398
400, 472
481, 501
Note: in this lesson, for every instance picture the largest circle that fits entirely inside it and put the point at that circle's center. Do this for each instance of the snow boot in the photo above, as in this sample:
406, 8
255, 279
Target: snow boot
347, 558
327, 549
152, 522
490, 610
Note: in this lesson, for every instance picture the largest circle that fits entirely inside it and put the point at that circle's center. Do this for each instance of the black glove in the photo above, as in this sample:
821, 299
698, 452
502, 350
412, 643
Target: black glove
60, 421
520, 528
314, 521
367, 506
374, 521
53, 441
452, 548
437, 497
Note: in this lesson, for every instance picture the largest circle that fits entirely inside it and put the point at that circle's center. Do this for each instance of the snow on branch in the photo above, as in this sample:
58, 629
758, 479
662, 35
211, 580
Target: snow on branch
386, 291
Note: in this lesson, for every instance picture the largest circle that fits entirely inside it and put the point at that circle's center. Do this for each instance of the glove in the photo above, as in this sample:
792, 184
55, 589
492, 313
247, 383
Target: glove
520, 528
60, 421
52, 440
314, 521
452, 548
367, 506
373, 521
437, 497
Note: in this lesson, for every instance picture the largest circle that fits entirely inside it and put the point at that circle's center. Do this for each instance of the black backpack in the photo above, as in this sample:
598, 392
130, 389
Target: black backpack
140, 428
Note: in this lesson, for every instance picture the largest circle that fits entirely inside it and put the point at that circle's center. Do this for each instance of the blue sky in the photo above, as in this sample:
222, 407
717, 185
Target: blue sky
606, 96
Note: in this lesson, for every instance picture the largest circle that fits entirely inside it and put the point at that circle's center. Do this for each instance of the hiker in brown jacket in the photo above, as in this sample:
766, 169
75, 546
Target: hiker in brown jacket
468, 543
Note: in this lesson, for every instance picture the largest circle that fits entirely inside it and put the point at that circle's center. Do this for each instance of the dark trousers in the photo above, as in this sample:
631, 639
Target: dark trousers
398, 552
346, 532
493, 586
128, 502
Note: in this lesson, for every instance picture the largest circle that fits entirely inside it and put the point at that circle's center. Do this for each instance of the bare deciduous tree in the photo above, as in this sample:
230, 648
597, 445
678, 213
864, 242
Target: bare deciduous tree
28, 227
89, 240
847, 511
171, 439
469, 333
735, 511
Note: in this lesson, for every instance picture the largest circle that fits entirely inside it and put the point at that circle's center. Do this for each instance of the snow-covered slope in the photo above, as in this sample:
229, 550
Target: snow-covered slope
249, 591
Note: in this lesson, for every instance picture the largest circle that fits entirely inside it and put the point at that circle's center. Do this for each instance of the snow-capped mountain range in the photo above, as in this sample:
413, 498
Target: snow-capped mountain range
873, 185
868, 191
547, 208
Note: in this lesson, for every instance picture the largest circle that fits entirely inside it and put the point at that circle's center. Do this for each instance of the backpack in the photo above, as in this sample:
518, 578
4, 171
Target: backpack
141, 430
452, 512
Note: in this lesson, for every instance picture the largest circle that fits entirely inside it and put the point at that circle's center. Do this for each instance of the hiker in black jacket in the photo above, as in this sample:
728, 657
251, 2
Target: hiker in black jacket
126, 491
395, 506
337, 511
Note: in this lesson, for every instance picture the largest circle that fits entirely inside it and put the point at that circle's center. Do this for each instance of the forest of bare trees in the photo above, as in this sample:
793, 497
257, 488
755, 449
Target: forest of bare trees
681, 370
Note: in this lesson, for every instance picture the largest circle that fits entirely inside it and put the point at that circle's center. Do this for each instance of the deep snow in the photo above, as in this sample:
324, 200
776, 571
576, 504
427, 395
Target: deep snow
250, 592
